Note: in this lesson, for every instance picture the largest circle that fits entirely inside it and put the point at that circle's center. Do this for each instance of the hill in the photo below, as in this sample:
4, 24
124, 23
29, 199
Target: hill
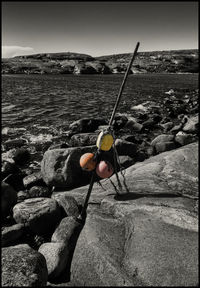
173, 61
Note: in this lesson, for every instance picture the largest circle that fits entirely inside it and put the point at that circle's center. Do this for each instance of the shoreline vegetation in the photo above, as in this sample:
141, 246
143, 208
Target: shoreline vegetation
174, 61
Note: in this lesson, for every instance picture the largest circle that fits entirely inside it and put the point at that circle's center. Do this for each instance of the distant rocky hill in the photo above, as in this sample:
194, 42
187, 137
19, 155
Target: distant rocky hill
174, 61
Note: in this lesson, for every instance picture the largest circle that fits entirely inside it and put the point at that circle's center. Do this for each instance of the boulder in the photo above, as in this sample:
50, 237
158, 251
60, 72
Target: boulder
40, 214
33, 179
68, 203
125, 148
191, 125
149, 124
9, 168
83, 139
11, 234
86, 125
141, 239
165, 146
172, 173
23, 266
21, 156
8, 199
167, 126
162, 139
61, 168
126, 161
13, 143
56, 256
15, 180
184, 138
39, 191
66, 230
133, 125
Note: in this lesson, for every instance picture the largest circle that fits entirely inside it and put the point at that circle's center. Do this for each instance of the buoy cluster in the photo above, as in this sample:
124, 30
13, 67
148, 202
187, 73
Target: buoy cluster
90, 161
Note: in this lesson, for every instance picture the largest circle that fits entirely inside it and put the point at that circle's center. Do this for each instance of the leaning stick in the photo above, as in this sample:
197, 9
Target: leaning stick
81, 216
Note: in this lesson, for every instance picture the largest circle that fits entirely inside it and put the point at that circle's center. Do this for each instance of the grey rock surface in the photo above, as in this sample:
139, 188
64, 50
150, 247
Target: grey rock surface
23, 266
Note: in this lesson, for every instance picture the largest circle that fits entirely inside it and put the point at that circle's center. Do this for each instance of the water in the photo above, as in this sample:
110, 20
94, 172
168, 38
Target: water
48, 103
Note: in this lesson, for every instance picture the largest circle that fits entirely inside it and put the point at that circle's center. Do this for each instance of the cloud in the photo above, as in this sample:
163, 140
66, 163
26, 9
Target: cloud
12, 51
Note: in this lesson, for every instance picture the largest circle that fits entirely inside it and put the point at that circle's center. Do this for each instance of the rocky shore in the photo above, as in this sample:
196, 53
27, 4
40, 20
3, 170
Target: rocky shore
140, 239
174, 61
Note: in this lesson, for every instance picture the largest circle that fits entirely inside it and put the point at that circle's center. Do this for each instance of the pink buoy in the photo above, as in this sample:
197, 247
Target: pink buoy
104, 169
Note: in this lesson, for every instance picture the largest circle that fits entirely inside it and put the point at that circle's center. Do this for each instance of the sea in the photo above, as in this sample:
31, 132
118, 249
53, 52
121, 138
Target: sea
45, 105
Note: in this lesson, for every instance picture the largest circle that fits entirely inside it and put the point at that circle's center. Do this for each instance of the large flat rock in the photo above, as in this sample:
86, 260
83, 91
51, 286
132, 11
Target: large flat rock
148, 237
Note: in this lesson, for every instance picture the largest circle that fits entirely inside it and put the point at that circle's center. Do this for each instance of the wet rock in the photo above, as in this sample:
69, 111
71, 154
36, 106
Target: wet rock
86, 125
23, 266
165, 146
8, 199
9, 144
184, 138
192, 125
83, 139
125, 148
9, 235
56, 256
33, 179
41, 214
68, 203
61, 168
21, 156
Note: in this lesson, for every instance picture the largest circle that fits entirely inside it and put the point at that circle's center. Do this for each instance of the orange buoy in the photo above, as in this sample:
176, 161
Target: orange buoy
104, 169
87, 162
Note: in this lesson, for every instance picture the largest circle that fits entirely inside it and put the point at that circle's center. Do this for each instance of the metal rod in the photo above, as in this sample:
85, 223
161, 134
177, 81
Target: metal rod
123, 83
88, 195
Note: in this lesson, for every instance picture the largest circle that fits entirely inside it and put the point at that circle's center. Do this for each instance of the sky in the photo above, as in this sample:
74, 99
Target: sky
98, 28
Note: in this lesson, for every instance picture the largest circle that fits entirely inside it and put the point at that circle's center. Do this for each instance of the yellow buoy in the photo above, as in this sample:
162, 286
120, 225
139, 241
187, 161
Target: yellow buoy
104, 141
87, 162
